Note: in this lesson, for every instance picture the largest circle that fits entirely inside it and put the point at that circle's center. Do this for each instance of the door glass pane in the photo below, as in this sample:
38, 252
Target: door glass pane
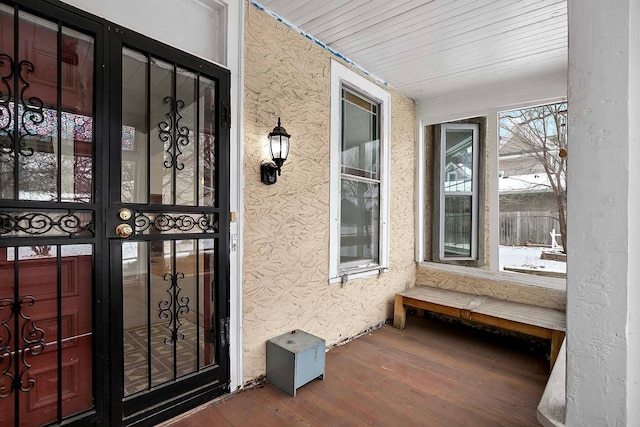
360, 143
135, 293
184, 328
360, 222
166, 314
7, 345
54, 139
207, 174
185, 138
206, 305
38, 123
46, 290
77, 117
76, 328
48, 277
135, 116
173, 332
457, 226
162, 155
7, 108
458, 164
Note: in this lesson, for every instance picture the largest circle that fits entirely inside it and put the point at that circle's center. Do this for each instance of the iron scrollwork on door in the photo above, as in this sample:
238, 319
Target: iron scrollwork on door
65, 223
173, 308
28, 111
172, 132
164, 222
30, 336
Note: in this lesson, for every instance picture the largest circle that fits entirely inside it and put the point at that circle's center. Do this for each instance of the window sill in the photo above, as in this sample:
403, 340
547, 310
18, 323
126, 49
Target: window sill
517, 278
357, 274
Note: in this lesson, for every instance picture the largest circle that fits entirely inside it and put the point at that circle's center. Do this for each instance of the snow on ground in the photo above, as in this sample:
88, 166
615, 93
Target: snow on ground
528, 257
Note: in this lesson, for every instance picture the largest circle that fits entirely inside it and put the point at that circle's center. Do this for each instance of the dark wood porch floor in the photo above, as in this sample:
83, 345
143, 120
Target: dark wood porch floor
433, 373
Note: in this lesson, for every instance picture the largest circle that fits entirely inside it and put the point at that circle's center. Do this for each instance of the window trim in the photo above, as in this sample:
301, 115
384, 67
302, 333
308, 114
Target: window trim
343, 76
476, 193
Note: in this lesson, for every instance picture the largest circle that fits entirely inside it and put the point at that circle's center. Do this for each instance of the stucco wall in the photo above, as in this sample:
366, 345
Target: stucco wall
286, 234
506, 286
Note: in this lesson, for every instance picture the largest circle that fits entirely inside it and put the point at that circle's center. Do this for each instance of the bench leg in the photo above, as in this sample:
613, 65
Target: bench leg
556, 343
399, 313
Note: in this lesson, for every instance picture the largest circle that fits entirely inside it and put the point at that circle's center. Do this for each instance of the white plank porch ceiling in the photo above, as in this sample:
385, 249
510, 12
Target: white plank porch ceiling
433, 48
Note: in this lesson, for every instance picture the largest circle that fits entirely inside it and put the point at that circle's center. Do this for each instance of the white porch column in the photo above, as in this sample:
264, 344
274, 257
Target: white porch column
603, 308
633, 281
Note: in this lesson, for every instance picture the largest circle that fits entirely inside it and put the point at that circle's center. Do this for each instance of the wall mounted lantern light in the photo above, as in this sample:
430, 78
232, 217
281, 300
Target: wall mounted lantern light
279, 149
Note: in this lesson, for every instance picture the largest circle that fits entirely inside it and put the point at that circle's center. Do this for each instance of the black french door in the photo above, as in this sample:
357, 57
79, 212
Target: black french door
50, 240
167, 225
114, 224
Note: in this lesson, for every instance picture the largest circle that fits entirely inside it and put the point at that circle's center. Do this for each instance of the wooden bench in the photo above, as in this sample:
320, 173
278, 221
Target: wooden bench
532, 320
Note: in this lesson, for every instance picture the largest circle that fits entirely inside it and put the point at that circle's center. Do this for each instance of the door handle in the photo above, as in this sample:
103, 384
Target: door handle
124, 214
124, 231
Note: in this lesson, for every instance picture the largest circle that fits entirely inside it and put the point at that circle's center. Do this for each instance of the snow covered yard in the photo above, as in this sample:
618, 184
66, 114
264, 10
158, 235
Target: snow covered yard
528, 257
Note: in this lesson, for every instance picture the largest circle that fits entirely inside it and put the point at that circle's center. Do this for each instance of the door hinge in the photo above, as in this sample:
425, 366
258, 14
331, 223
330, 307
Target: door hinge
224, 332
226, 115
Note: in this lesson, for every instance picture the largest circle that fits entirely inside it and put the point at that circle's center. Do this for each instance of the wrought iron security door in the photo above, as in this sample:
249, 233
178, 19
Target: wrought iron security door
114, 254
48, 215
168, 224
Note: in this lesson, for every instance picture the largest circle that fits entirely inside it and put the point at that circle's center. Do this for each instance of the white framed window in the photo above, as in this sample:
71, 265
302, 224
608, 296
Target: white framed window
457, 188
359, 176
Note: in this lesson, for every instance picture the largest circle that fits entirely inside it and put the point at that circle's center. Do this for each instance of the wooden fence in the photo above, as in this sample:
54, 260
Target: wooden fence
520, 228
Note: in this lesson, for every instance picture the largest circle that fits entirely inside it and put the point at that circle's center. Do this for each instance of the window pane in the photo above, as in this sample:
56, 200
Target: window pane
532, 188
458, 163
360, 140
360, 221
457, 226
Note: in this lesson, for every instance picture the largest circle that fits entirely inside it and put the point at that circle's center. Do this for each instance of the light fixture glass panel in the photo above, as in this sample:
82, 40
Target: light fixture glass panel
279, 147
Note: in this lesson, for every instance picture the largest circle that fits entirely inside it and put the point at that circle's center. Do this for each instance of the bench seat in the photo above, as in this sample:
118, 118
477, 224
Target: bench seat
541, 322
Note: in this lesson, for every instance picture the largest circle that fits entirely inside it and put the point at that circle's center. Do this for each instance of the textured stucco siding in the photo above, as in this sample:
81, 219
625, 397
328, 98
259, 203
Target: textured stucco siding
286, 232
516, 290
